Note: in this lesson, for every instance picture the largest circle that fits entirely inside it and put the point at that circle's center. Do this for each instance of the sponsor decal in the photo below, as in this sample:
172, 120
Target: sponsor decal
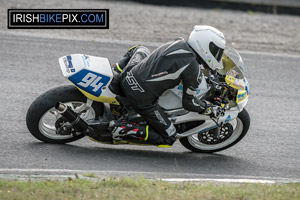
85, 60
180, 88
227, 119
89, 81
247, 89
159, 117
58, 18
239, 84
242, 96
159, 74
68, 63
132, 82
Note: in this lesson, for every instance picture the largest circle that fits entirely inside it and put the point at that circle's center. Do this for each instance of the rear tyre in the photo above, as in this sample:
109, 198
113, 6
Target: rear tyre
240, 128
42, 116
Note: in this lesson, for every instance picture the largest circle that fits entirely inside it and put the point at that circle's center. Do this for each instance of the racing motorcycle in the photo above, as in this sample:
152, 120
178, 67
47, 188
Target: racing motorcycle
67, 113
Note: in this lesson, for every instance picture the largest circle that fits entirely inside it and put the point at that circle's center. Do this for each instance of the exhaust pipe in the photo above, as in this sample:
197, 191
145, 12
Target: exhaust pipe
74, 119
80, 125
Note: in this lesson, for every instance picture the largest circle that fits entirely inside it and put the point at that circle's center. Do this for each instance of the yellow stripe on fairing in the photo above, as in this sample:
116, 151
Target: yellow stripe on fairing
110, 100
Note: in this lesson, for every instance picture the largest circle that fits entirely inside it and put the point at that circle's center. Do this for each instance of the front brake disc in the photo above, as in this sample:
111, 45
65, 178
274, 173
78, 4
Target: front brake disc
210, 137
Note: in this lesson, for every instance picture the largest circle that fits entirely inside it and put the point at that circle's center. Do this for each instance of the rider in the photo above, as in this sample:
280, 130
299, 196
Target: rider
143, 78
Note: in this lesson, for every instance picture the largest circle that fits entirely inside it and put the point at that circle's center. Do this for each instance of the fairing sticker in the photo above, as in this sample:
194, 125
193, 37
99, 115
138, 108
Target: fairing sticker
89, 81
68, 63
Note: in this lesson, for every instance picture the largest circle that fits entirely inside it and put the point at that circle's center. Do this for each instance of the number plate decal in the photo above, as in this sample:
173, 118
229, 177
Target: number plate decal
89, 81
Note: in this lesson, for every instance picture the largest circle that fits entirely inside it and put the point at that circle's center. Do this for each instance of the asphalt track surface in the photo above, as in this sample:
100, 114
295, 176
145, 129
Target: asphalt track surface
270, 150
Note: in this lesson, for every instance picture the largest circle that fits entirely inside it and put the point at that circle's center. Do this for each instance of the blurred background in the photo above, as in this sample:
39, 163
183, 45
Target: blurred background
251, 25
268, 6
265, 32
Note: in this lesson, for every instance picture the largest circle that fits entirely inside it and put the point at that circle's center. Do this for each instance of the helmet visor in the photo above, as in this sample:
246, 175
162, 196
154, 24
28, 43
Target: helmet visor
216, 51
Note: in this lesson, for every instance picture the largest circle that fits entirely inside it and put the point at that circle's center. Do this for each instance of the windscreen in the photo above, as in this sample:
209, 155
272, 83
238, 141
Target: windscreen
233, 64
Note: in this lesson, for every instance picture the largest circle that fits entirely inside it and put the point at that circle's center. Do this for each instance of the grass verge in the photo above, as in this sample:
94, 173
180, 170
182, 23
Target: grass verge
129, 188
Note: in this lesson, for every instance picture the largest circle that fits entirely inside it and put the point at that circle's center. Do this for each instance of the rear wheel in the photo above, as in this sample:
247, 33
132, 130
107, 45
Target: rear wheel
42, 118
230, 134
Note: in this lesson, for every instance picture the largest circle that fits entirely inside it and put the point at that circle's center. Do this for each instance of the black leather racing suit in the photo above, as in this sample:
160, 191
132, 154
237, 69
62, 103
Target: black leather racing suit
163, 69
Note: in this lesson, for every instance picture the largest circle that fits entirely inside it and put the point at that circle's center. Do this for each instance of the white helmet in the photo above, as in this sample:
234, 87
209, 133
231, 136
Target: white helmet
209, 43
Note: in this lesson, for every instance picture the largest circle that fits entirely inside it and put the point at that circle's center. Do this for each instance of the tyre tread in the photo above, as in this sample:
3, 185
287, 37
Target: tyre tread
47, 101
244, 116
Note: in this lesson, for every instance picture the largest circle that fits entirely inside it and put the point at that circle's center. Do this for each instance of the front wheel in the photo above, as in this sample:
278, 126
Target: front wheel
42, 118
231, 133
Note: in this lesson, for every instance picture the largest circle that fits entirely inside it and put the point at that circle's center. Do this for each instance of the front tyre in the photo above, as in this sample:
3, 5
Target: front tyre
41, 116
240, 128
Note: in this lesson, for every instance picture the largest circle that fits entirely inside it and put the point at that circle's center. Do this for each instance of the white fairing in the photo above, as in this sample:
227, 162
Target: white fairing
90, 73
80, 61
208, 124
172, 99
242, 104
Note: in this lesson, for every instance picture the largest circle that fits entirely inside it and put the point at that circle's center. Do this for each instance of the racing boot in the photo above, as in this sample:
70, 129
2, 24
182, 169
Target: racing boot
119, 66
127, 130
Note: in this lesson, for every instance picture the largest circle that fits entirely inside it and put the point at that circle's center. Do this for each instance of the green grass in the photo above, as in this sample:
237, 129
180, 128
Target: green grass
90, 175
131, 189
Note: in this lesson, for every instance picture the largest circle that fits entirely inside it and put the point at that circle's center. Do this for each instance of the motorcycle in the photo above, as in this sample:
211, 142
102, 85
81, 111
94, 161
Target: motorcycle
67, 113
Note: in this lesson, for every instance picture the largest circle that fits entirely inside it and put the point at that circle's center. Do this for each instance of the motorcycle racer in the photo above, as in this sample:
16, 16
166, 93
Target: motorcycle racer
143, 77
